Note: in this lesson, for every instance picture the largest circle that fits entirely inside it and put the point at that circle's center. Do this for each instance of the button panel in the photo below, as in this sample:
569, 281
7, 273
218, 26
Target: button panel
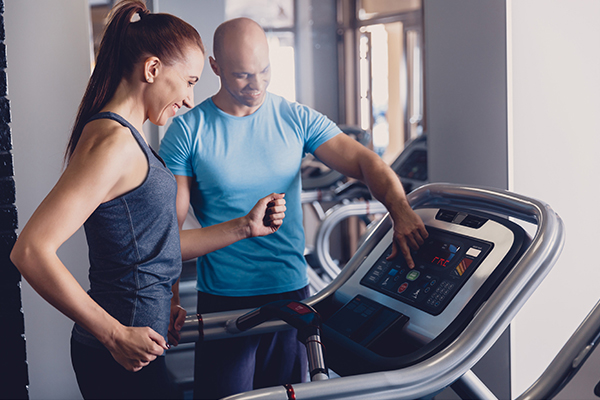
443, 264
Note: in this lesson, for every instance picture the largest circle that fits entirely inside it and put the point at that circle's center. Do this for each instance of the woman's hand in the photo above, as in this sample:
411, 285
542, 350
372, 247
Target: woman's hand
134, 347
267, 215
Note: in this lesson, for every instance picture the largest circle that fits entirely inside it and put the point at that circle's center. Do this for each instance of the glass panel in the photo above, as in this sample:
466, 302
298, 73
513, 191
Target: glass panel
379, 88
268, 13
415, 85
283, 71
368, 9
365, 82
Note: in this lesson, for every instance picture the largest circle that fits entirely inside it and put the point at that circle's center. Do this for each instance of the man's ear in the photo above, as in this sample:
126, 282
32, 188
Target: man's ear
214, 66
152, 67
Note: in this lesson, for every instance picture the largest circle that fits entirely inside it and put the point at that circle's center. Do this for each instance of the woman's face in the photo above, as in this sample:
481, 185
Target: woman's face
173, 87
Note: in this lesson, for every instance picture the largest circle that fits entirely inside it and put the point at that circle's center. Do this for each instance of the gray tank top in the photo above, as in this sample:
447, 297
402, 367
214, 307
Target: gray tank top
134, 249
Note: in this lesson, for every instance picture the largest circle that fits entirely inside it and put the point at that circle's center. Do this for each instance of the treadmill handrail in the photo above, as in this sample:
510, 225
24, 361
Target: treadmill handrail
568, 360
494, 316
333, 217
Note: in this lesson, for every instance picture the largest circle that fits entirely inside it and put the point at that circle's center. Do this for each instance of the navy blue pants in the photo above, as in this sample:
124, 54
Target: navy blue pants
99, 376
229, 366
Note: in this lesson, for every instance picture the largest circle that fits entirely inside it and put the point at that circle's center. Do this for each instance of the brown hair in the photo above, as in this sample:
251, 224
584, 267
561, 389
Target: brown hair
123, 45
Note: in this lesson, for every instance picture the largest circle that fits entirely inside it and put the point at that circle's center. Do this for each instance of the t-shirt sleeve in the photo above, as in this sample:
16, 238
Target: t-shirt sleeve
176, 148
317, 127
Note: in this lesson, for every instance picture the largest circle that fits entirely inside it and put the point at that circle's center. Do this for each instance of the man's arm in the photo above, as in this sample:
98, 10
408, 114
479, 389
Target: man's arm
184, 185
349, 157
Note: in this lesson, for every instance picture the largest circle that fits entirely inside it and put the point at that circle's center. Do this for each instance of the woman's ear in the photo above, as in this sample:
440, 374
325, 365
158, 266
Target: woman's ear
152, 67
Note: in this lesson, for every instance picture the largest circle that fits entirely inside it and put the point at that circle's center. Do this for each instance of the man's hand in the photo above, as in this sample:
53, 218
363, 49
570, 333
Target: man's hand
409, 233
178, 314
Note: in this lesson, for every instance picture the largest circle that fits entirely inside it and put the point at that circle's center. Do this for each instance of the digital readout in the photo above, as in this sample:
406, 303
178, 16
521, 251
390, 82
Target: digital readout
438, 252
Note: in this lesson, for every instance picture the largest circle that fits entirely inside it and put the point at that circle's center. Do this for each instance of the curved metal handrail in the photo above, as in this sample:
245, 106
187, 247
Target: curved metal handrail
568, 360
333, 217
486, 326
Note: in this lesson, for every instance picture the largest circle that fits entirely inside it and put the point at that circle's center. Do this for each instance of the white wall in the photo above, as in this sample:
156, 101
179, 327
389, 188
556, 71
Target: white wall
555, 51
465, 87
48, 52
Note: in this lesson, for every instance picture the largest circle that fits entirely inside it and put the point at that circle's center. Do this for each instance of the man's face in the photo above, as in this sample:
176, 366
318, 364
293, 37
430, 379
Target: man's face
245, 74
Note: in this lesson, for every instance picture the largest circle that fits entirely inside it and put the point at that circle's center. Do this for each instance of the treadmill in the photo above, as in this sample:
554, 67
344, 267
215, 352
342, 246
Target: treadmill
317, 176
395, 333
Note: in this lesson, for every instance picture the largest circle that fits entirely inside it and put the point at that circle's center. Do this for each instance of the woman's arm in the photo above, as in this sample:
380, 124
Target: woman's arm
265, 218
103, 166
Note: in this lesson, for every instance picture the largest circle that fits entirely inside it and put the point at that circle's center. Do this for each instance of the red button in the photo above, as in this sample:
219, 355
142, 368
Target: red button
403, 287
299, 308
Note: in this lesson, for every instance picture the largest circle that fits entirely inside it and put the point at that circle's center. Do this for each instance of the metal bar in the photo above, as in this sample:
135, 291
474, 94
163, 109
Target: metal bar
568, 360
469, 386
316, 359
333, 217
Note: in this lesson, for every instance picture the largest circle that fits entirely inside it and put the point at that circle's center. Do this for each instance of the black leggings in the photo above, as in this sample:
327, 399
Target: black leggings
99, 376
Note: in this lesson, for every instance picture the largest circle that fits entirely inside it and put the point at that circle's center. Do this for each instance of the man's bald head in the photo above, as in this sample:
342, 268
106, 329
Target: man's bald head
241, 61
235, 34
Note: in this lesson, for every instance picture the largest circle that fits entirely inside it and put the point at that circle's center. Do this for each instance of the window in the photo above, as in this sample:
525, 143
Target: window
389, 71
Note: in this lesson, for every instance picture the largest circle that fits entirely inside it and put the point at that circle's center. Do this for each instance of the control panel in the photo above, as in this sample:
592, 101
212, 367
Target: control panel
442, 265
464, 255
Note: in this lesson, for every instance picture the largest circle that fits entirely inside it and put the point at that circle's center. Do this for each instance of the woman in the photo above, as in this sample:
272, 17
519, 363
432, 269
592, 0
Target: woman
122, 193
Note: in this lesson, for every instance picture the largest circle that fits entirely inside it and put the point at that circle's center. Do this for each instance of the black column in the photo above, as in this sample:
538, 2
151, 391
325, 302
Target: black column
14, 378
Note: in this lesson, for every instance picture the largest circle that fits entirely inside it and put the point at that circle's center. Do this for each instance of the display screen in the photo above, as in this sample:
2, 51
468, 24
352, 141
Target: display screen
442, 265
415, 166
439, 253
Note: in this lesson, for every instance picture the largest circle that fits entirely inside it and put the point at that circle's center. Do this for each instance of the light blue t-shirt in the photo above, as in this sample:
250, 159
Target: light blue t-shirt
234, 162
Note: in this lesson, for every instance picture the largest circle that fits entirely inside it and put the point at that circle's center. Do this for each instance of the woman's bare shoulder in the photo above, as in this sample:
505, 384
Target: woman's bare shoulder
107, 137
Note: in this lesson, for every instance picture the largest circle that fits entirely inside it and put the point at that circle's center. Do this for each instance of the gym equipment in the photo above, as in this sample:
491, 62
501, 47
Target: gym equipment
573, 373
320, 183
316, 175
391, 332
411, 164
299, 315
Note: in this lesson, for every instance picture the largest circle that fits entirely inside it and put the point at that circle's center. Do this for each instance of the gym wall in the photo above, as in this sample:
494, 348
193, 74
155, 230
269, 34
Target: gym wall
13, 368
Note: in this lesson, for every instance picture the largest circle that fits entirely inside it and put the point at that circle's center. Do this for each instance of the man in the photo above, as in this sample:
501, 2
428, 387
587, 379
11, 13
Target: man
229, 151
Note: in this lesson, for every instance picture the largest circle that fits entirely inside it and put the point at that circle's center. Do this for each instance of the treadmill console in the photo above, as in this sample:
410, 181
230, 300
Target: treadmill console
442, 265
391, 315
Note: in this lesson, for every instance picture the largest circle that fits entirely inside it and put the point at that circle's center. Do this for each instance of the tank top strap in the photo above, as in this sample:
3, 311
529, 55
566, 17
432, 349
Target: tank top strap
138, 137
